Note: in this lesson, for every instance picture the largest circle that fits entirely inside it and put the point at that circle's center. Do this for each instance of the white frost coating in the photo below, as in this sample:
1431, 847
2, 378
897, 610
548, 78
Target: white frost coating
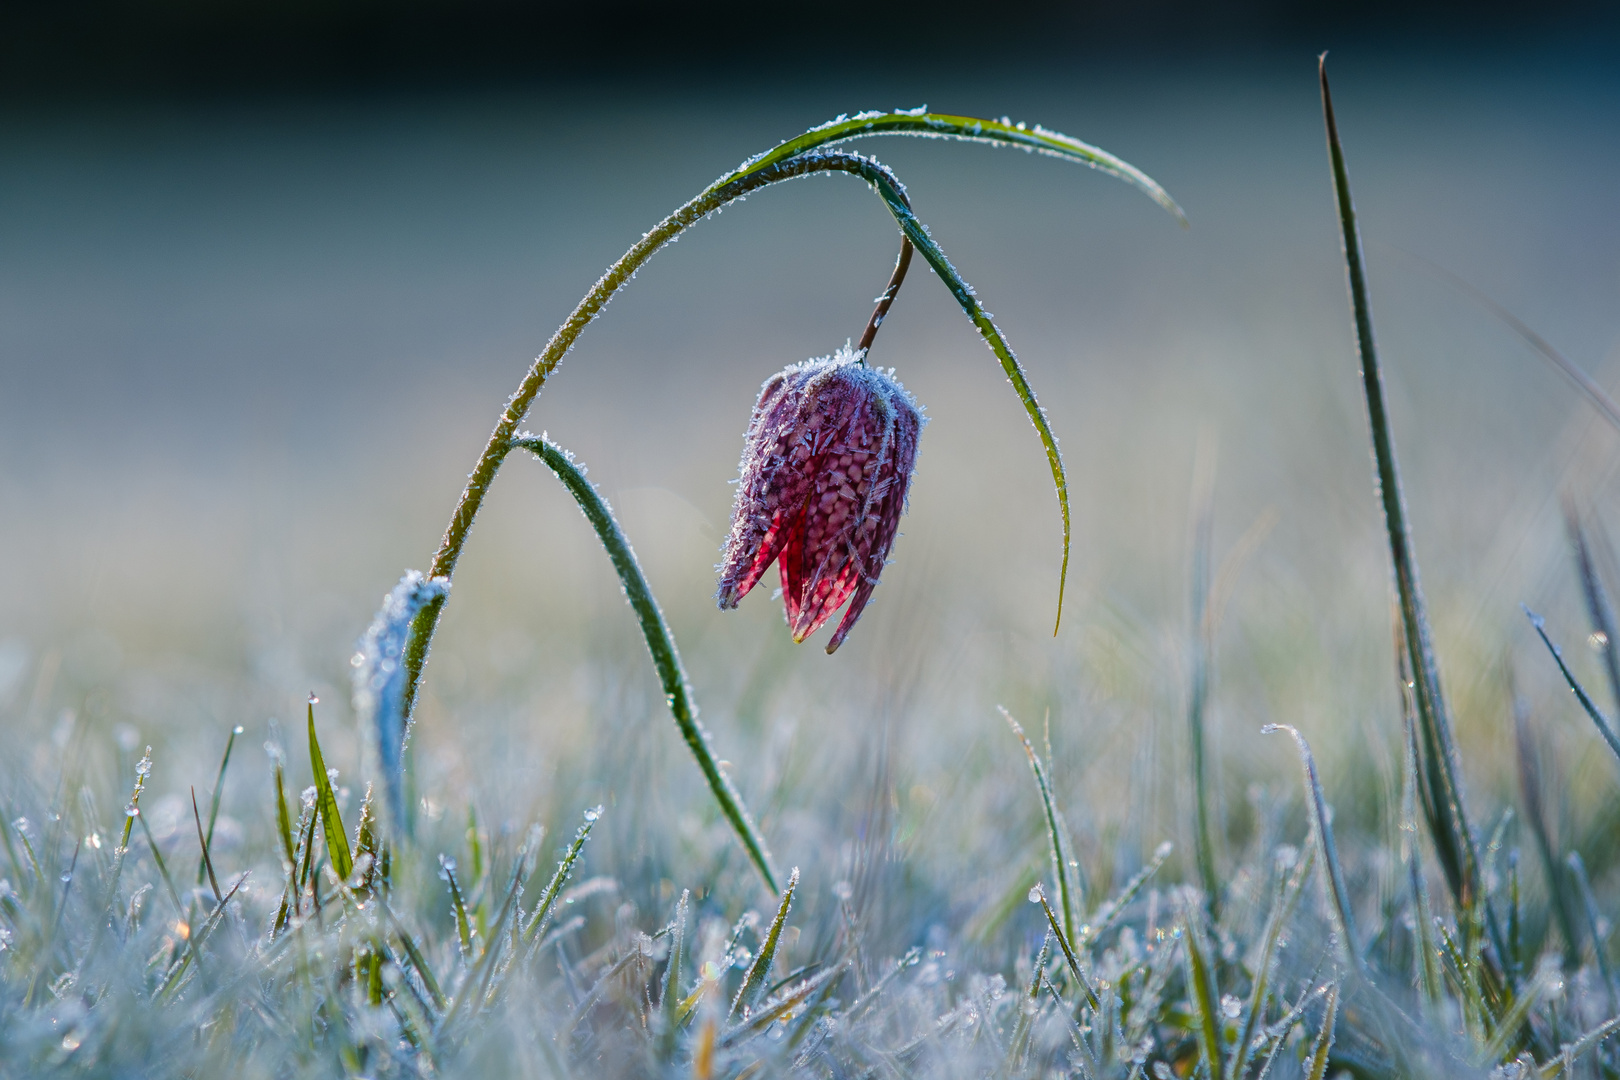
379, 678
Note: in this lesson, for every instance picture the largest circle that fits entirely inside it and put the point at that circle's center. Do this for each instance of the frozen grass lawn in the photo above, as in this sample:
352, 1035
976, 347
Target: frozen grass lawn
965, 895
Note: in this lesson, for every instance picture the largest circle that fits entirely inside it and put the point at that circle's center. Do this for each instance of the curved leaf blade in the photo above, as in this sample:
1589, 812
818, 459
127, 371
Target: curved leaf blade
920, 122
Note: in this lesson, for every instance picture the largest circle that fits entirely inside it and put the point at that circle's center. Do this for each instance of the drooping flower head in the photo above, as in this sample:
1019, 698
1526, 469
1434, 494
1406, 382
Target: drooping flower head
826, 465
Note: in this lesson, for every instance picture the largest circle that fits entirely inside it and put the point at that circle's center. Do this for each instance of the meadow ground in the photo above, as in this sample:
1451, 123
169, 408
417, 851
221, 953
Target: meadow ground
250, 351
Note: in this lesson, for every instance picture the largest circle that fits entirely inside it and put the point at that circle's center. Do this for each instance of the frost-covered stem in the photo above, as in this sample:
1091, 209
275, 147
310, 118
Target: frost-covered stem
660, 643
617, 276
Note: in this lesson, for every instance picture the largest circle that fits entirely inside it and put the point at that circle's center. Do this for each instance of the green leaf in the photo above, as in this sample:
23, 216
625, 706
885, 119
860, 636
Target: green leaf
964, 128
660, 644
337, 841
760, 969
1441, 774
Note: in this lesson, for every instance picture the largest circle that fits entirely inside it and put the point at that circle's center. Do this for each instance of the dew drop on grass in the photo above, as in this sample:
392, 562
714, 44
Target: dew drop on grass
1035, 894
592, 815
1231, 1007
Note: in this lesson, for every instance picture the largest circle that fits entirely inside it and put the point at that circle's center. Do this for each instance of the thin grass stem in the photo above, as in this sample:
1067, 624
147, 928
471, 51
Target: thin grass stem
1605, 726
1053, 833
1322, 833
213, 803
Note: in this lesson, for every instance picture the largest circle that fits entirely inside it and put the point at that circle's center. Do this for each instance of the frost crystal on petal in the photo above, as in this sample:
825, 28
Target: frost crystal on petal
826, 465
379, 676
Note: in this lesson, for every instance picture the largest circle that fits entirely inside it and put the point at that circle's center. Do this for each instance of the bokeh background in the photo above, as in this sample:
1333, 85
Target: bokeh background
267, 276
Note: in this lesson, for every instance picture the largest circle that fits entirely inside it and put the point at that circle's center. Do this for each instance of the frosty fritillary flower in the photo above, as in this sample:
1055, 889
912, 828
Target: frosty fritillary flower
826, 465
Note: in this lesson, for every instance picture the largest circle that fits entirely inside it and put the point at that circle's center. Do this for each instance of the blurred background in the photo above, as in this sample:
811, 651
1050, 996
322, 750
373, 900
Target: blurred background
268, 272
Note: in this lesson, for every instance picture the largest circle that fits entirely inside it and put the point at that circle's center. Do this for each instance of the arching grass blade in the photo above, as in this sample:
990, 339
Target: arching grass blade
660, 643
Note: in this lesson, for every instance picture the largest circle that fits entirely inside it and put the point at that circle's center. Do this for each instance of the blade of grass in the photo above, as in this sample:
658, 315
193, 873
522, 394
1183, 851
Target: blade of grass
963, 128
1597, 601
760, 969
762, 1020
1428, 971
1566, 1060
670, 999
1054, 835
1283, 900
196, 939
213, 803
1583, 382
1604, 725
1324, 1039
1200, 647
1037, 895
1532, 797
1594, 926
464, 937
1111, 911
1017, 1052
337, 840
1442, 776
207, 860
1511, 1023
1203, 992
548, 899
660, 643
1322, 833
423, 970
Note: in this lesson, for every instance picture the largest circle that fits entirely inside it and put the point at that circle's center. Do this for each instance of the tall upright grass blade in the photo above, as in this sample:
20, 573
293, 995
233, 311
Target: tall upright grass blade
1605, 726
1053, 832
1200, 648
1597, 600
1322, 833
213, 803
1533, 799
1441, 774
754, 981
337, 841
660, 643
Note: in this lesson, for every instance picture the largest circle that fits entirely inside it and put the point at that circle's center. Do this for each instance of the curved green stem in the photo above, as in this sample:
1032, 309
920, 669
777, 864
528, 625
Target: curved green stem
660, 642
